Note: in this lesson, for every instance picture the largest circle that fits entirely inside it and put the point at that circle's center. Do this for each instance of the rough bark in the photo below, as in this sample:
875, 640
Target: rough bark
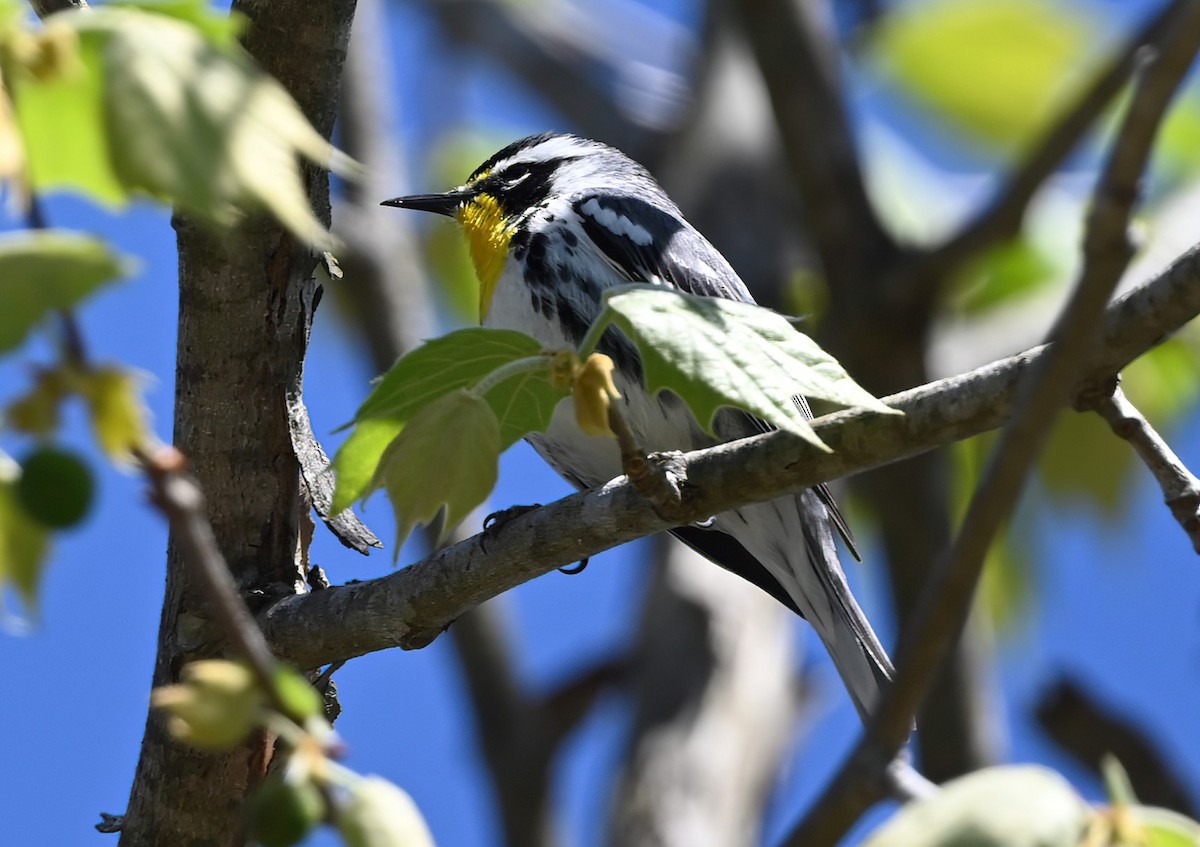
245, 309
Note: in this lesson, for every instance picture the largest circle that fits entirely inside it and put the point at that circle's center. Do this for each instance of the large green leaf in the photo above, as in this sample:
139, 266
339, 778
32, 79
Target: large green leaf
44, 271
522, 403
714, 352
447, 457
996, 807
168, 105
997, 69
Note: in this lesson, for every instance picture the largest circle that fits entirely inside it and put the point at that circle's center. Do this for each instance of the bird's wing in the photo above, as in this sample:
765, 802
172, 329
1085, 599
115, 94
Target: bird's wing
725, 550
645, 243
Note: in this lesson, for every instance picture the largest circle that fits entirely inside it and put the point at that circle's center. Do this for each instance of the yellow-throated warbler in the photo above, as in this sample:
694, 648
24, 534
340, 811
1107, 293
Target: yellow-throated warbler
552, 222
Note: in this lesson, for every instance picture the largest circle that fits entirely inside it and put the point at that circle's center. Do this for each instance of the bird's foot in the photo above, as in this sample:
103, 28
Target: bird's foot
496, 521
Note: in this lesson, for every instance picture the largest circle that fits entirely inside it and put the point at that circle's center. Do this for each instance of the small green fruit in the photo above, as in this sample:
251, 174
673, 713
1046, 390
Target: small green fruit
55, 487
283, 811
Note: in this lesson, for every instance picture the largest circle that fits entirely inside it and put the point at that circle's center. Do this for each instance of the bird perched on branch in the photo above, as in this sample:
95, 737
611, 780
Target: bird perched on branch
552, 222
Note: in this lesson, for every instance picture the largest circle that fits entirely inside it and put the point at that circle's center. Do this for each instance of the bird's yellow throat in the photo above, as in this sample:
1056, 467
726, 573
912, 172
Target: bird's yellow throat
488, 234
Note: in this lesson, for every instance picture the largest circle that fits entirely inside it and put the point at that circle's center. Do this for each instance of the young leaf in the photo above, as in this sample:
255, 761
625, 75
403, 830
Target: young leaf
378, 814
48, 270
169, 106
446, 457
215, 706
120, 419
24, 544
714, 352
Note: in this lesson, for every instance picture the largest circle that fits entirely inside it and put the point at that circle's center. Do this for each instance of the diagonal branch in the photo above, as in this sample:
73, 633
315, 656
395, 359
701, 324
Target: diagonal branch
1091, 730
947, 598
411, 607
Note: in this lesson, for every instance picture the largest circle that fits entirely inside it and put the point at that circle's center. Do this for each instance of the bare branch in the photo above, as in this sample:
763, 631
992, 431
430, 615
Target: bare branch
1181, 489
1001, 219
411, 607
949, 593
800, 71
1090, 731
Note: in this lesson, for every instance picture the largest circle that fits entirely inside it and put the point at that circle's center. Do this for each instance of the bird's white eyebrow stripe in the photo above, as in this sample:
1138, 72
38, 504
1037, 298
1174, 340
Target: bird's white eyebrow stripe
616, 222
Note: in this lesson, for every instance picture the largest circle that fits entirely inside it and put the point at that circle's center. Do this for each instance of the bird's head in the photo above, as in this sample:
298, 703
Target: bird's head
508, 191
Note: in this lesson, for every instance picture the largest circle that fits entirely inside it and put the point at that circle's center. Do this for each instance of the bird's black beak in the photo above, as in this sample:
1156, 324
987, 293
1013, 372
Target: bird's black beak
442, 204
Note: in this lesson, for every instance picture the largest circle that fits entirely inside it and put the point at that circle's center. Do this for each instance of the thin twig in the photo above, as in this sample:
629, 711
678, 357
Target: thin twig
180, 499
1002, 218
947, 598
1180, 488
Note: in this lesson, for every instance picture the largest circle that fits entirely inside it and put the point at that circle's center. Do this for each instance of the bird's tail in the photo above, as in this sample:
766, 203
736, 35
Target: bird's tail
812, 576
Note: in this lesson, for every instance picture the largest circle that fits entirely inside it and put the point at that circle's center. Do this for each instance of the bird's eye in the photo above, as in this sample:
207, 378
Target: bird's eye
515, 175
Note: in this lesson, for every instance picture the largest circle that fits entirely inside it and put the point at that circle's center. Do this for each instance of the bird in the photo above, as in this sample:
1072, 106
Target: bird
552, 222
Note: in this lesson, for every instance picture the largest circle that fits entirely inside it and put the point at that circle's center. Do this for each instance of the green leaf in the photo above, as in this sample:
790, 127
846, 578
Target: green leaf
217, 28
995, 807
1116, 782
358, 457
462, 359
24, 543
1006, 272
48, 270
714, 352
64, 125
378, 814
120, 419
446, 457
522, 403
997, 69
169, 106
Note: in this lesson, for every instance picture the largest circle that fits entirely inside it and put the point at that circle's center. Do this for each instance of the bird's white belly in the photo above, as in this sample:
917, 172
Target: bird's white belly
658, 423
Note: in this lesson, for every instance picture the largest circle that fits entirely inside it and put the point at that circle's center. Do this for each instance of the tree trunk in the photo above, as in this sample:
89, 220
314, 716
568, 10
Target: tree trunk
244, 315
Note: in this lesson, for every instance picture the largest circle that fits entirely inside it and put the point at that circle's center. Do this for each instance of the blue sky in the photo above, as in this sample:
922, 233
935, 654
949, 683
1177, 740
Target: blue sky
1118, 602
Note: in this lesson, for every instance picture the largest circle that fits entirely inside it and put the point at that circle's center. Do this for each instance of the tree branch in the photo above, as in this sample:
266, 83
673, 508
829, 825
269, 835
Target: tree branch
800, 71
1180, 488
1089, 731
947, 598
411, 607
